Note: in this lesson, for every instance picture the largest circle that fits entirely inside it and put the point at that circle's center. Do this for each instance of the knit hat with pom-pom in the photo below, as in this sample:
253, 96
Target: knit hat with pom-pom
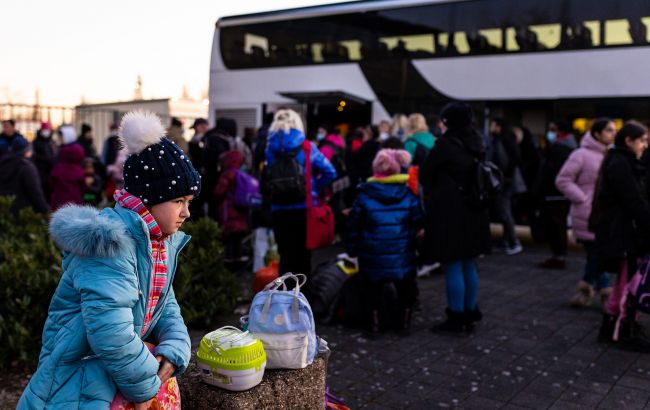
157, 170
390, 162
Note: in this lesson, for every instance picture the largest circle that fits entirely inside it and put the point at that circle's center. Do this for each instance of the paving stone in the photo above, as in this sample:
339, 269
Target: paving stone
625, 398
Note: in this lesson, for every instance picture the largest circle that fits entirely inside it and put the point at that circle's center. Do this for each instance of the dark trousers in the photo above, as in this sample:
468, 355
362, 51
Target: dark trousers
290, 230
555, 215
406, 292
233, 245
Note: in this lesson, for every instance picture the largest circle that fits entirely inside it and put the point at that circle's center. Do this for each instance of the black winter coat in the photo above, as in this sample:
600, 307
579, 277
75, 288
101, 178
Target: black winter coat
621, 213
45, 156
455, 229
556, 155
19, 178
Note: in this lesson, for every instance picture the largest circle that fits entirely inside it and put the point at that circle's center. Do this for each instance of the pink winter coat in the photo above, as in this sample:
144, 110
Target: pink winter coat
327, 146
577, 181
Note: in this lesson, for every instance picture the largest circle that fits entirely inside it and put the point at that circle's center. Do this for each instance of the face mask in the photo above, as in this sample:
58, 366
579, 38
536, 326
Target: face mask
383, 136
320, 136
46, 133
551, 136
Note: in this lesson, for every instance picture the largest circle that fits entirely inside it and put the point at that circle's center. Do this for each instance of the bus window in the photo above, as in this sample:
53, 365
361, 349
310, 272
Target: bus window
460, 43
494, 38
639, 30
548, 35
511, 40
617, 32
253, 44
354, 49
594, 27
317, 52
422, 44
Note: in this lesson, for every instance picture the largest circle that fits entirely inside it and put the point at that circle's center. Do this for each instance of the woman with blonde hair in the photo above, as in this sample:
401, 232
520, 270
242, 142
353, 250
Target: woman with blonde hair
420, 140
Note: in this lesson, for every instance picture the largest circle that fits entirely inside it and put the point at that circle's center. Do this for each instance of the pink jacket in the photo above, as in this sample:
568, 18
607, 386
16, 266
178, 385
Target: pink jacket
328, 150
577, 181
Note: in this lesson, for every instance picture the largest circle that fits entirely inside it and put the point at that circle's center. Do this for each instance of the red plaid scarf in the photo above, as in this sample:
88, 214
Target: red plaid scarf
158, 251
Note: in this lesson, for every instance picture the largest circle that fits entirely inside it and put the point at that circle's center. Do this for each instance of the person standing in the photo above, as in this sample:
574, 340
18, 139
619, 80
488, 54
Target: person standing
111, 147
505, 155
620, 219
68, 179
420, 140
555, 206
288, 210
19, 178
195, 151
175, 133
457, 227
577, 181
44, 157
8, 134
86, 141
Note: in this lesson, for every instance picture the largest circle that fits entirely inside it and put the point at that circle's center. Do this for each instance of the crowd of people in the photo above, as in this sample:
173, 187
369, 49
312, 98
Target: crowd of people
403, 194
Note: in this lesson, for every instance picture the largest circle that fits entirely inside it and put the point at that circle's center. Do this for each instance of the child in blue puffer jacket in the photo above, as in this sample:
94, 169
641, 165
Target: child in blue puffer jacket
383, 225
116, 289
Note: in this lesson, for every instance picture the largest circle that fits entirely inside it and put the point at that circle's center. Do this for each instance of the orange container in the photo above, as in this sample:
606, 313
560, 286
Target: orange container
266, 275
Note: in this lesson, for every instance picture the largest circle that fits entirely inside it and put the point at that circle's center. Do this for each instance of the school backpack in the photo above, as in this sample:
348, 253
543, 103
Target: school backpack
284, 179
486, 183
247, 191
636, 296
283, 320
420, 155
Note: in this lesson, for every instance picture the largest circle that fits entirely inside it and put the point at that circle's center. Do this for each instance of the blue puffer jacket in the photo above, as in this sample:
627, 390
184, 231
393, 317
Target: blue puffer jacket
382, 228
91, 340
323, 173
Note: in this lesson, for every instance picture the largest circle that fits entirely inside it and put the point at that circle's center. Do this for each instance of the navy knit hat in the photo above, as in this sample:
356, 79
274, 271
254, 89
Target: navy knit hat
157, 170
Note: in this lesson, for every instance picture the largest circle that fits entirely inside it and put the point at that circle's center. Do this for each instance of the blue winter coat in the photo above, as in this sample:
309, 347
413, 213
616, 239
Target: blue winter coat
91, 340
323, 172
382, 228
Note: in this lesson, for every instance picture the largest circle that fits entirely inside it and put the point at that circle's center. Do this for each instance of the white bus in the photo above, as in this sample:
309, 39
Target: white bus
360, 62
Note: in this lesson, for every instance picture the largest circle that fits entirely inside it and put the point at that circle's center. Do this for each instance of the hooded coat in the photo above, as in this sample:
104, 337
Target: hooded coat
19, 177
232, 219
455, 229
91, 339
382, 228
68, 179
323, 172
577, 181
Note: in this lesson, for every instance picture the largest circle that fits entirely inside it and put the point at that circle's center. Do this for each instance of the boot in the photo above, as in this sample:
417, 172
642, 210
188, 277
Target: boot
604, 296
584, 296
606, 333
373, 332
405, 326
471, 317
455, 323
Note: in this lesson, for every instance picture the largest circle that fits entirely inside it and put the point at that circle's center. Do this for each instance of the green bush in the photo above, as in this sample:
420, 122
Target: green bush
30, 269
204, 288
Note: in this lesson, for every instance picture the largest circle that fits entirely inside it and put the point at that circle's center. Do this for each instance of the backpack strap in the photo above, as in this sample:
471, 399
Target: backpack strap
306, 145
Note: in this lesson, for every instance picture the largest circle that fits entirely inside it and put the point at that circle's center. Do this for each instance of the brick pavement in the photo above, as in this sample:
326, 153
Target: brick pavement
531, 351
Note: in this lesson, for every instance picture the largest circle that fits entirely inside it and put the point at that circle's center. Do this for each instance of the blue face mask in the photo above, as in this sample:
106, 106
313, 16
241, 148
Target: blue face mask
320, 136
551, 136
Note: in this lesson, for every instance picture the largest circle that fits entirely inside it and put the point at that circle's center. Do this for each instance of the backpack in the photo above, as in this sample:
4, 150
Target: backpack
283, 320
342, 181
420, 155
284, 179
325, 285
486, 184
636, 295
247, 191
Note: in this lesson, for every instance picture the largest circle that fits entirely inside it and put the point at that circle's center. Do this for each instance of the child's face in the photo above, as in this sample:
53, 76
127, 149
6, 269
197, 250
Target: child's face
170, 215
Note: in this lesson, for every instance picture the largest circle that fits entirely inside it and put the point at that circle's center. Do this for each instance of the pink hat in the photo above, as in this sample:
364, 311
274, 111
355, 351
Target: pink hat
390, 162
45, 125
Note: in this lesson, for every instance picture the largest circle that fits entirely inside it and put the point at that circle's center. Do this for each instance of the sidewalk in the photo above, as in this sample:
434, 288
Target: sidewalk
532, 351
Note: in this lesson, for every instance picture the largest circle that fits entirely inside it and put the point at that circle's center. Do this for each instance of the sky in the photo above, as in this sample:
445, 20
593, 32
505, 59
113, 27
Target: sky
93, 51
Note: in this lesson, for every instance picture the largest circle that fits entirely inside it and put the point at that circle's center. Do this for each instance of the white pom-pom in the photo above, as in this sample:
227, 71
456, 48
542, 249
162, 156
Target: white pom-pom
140, 129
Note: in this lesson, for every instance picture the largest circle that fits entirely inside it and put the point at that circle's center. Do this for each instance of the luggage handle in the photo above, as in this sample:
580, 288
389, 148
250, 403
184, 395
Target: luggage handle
273, 287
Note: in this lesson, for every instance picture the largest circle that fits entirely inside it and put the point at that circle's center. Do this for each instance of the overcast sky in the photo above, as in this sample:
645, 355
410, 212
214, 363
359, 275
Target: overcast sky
96, 49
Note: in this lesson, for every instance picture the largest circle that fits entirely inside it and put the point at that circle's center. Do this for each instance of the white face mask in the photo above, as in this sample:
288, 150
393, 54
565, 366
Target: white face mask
46, 133
383, 136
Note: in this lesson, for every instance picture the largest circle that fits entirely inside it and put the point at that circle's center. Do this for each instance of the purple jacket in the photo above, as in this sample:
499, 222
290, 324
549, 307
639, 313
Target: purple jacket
68, 178
577, 181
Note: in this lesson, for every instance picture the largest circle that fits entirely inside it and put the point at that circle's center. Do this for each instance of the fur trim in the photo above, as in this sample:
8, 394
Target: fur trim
83, 231
68, 134
286, 119
140, 129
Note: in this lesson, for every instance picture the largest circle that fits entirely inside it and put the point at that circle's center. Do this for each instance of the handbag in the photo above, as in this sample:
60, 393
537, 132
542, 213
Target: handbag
320, 218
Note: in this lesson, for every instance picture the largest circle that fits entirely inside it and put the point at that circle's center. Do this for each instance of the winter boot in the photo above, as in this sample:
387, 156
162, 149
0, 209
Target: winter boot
455, 323
404, 328
606, 333
604, 296
373, 333
584, 296
471, 317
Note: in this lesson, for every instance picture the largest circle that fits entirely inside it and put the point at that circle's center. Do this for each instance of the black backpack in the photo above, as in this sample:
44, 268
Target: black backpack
486, 184
421, 153
284, 179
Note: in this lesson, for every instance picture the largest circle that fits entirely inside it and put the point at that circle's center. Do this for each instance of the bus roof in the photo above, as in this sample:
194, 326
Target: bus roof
323, 9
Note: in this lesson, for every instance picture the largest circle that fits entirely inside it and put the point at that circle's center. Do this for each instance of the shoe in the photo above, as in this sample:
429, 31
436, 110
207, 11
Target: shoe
513, 250
404, 328
584, 296
604, 296
455, 323
373, 333
472, 317
427, 269
553, 263
606, 333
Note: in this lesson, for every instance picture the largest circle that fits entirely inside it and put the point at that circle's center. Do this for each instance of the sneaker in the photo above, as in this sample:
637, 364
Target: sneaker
427, 269
513, 250
553, 263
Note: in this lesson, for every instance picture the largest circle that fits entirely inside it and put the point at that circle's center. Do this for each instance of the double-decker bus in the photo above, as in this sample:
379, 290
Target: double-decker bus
360, 62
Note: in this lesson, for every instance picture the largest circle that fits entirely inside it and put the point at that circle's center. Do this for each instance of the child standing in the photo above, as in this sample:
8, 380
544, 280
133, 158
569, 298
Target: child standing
68, 180
232, 219
382, 230
94, 183
116, 289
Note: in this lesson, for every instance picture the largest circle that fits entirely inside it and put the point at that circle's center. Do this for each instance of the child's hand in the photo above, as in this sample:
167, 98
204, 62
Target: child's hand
166, 369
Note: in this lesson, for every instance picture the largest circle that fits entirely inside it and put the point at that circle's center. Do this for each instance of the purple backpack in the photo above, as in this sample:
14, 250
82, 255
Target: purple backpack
247, 191
636, 294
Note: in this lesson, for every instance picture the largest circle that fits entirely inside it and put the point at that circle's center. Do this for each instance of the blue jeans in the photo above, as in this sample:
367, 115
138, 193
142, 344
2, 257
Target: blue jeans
461, 282
594, 276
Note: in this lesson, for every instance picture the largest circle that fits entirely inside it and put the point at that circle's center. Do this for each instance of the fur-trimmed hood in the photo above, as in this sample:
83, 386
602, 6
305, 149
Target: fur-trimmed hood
87, 232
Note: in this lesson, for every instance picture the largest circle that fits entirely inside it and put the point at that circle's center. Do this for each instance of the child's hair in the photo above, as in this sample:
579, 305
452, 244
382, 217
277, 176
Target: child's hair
632, 130
390, 162
417, 123
285, 119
